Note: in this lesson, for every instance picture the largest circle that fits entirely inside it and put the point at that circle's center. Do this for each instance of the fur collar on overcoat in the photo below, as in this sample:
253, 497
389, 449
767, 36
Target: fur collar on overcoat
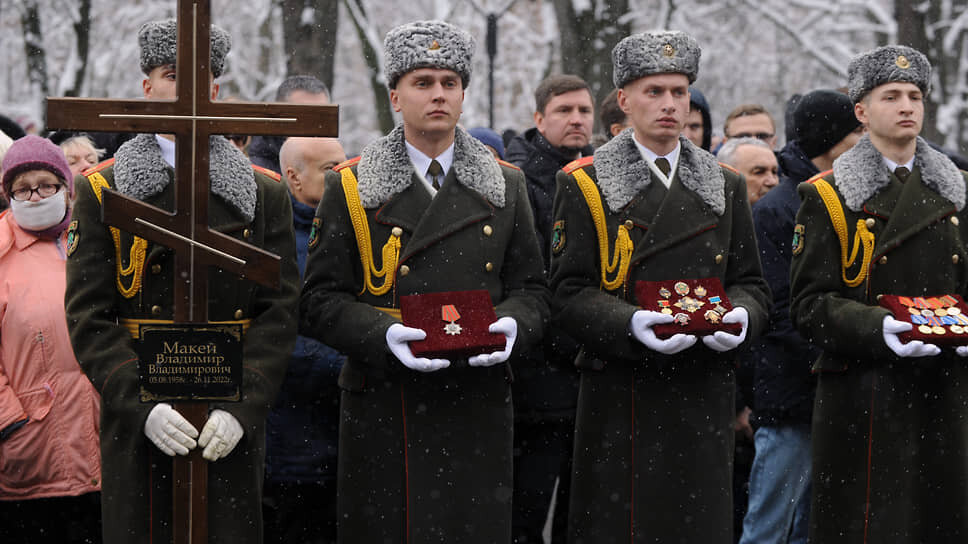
622, 172
141, 172
385, 169
860, 173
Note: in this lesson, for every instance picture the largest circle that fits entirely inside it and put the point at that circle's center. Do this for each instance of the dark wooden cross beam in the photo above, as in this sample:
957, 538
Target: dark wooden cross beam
193, 117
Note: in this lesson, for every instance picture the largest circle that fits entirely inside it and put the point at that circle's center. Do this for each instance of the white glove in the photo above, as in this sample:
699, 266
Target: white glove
641, 327
220, 435
914, 348
962, 351
722, 340
170, 431
509, 328
397, 337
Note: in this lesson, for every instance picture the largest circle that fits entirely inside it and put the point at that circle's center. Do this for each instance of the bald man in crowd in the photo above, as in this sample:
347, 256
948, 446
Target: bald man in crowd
303, 426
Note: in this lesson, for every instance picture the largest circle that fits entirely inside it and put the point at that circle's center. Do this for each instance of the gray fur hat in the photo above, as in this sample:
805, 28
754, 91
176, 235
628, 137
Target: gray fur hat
887, 64
655, 52
158, 40
427, 44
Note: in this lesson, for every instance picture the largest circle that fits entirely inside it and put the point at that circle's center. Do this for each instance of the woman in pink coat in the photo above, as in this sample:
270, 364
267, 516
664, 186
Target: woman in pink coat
50, 468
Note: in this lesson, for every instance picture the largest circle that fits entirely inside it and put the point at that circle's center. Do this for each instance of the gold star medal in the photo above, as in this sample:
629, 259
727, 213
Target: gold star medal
450, 314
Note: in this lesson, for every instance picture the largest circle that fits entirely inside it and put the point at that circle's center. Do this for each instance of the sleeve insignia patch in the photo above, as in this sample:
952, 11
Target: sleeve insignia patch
314, 233
72, 238
558, 237
798, 234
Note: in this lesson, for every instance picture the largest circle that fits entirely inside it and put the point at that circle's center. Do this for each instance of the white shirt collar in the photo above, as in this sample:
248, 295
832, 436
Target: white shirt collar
421, 163
167, 149
650, 157
892, 166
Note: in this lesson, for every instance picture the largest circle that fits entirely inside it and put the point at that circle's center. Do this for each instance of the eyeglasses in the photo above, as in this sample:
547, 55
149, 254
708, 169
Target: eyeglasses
45, 190
758, 135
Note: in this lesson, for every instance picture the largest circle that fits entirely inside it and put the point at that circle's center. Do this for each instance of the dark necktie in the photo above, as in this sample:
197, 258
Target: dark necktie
901, 173
434, 171
663, 165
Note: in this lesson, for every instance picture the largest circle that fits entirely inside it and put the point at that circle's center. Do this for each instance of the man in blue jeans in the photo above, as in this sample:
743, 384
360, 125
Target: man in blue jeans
779, 503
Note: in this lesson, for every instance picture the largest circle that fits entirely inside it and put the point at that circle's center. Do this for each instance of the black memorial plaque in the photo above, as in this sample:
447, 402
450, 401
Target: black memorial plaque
190, 362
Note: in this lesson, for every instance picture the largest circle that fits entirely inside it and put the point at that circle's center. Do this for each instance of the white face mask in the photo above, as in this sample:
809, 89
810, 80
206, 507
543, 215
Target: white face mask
39, 215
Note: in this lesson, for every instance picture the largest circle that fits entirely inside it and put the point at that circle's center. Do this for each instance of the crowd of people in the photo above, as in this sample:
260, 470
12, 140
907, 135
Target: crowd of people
776, 401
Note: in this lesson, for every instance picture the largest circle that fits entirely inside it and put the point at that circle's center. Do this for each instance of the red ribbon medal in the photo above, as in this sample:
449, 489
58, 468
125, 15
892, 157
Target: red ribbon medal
450, 314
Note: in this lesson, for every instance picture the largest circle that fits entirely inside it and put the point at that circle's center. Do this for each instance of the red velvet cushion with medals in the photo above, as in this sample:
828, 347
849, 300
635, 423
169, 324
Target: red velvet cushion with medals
940, 320
456, 323
697, 305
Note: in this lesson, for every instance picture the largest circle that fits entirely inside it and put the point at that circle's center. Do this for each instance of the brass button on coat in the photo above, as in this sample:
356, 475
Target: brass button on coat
246, 233
489, 267
870, 222
156, 269
488, 230
404, 270
719, 258
955, 258
238, 314
629, 225
156, 310
397, 231
954, 220
883, 259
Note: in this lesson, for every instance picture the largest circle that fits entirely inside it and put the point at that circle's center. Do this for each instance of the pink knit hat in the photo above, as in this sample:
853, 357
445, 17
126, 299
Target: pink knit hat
35, 153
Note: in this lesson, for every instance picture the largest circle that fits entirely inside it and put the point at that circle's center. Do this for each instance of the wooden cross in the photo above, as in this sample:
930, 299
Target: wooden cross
193, 117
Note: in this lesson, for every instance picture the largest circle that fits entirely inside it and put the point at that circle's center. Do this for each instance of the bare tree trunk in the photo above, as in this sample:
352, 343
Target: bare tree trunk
381, 97
587, 40
82, 33
309, 36
34, 48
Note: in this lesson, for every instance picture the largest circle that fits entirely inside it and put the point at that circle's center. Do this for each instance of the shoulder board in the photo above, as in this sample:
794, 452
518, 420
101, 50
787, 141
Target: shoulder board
347, 164
265, 171
818, 176
503, 162
578, 163
728, 167
98, 167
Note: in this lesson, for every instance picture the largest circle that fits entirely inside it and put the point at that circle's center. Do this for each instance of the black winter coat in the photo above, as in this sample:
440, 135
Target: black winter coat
783, 384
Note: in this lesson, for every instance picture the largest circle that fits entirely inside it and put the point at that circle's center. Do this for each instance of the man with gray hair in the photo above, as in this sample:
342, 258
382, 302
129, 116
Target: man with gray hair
754, 159
653, 436
879, 258
427, 211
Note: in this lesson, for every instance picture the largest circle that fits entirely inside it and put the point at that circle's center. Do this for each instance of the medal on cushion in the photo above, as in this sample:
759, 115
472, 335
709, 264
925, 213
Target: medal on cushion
689, 304
449, 313
664, 307
682, 319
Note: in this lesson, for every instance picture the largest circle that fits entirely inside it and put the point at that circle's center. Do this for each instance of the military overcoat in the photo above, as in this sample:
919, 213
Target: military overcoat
654, 438
890, 435
423, 456
136, 491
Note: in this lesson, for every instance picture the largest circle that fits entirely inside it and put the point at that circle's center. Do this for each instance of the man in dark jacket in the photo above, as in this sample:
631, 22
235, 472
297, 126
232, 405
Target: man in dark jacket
825, 126
546, 388
303, 427
300, 89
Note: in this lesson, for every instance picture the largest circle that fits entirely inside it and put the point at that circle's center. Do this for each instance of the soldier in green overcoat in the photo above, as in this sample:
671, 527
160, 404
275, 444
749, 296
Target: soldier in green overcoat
425, 444
890, 429
116, 281
653, 437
